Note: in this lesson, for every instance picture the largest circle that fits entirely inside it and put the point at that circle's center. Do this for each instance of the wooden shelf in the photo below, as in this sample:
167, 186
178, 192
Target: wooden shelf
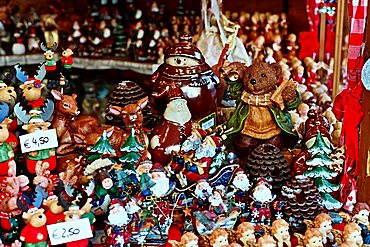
84, 63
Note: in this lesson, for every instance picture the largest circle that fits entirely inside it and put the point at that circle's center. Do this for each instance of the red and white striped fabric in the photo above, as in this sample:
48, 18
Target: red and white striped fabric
357, 13
347, 106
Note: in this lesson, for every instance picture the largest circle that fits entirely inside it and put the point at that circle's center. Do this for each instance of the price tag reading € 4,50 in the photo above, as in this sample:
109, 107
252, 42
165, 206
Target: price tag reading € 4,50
69, 231
38, 140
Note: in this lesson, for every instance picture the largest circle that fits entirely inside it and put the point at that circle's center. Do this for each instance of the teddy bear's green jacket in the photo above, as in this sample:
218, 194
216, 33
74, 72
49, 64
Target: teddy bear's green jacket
282, 118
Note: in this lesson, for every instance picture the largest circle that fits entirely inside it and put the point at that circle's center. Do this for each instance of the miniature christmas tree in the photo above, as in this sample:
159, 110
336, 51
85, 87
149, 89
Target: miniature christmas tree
101, 148
132, 147
103, 145
320, 164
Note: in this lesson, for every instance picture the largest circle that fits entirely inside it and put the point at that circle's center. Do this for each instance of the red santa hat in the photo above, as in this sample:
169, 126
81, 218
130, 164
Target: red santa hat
115, 202
144, 160
263, 181
214, 140
239, 170
200, 133
157, 167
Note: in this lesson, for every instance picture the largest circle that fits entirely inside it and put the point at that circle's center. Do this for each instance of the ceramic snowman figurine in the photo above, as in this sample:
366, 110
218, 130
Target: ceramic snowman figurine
185, 64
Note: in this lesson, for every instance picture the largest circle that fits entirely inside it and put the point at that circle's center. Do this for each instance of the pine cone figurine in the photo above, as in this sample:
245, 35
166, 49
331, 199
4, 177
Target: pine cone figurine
303, 202
268, 161
126, 92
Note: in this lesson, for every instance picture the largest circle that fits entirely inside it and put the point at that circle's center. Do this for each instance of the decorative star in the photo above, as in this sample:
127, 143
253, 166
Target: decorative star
120, 240
255, 213
279, 215
117, 167
187, 211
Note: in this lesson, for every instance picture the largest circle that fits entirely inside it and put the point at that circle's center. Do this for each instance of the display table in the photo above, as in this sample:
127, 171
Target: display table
84, 63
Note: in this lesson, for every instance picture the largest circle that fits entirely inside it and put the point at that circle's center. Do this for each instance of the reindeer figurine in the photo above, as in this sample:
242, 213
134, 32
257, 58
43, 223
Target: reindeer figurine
50, 63
67, 122
30, 99
132, 117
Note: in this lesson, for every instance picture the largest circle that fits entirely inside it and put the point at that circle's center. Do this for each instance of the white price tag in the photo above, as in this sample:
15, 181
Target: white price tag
69, 231
39, 140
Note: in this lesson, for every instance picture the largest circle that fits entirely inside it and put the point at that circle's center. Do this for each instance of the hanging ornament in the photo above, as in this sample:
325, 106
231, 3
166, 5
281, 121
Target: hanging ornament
365, 75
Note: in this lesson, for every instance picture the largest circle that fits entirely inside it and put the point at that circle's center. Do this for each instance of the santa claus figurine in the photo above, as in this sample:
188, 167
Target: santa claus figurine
174, 128
117, 214
162, 182
241, 186
262, 198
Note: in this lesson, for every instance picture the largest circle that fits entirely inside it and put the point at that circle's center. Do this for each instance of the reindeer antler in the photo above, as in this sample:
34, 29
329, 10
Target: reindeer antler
41, 72
43, 46
55, 46
21, 75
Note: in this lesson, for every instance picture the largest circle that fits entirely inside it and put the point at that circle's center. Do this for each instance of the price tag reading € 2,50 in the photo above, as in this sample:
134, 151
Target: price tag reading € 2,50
69, 231
38, 140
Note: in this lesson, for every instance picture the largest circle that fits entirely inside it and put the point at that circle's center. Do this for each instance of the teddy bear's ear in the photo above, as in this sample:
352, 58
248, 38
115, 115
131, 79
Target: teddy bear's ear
277, 68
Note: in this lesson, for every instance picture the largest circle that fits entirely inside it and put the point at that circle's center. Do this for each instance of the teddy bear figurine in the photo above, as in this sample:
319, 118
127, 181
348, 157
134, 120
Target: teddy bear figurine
262, 115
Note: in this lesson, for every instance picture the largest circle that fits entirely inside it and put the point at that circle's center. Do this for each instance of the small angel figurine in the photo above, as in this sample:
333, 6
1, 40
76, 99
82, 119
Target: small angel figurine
189, 239
266, 241
352, 233
245, 233
313, 238
361, 217
219, 238
280, 231
323, 223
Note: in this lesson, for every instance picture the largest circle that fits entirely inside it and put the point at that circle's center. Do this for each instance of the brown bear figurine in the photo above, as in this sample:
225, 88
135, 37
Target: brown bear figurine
261, 115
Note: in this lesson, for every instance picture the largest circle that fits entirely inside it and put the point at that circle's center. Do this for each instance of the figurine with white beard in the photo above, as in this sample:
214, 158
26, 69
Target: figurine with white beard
117, 214
202, 193
162, 182
262, 198
241, 187
217, 203
173, 129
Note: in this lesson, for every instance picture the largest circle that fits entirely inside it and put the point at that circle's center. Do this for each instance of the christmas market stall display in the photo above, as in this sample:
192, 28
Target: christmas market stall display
214, 150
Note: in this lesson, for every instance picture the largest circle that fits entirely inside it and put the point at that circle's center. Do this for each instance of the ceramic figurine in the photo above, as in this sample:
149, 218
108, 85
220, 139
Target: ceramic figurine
172, 130
146, 183
189, 239
50, 64
43, 178
198, 82
252, 122
266, 241
67, 58
65, 109
6, 151
35, 232
352, 232
31, 96
162, 183
245, 233
280, 231
242, 185
33, 43
348, 244
361, 217
219, 238
262, 198
291, 46
50, 29
313, 238
54, 210
18, 47
323, 223
45, 155
75, 213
